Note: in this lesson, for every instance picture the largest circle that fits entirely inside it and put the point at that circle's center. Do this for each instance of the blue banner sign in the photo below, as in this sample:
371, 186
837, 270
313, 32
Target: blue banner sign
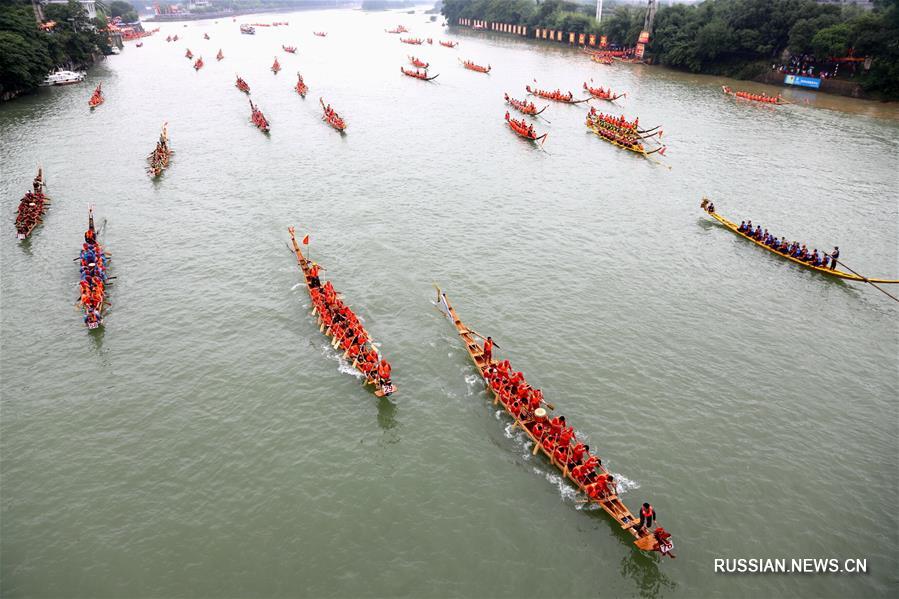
812, 82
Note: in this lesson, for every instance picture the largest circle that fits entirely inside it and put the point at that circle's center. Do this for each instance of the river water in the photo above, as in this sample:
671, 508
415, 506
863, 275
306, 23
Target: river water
209, 443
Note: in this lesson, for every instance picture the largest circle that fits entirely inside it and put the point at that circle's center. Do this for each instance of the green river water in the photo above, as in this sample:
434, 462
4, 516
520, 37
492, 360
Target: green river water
209, 443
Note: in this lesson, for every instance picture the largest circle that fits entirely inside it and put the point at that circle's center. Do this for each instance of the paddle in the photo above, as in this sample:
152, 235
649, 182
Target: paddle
467, 330
884, 291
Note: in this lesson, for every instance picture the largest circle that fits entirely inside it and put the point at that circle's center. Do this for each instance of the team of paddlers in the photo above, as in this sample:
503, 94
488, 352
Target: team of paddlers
794, 249
159, 159
276, 66
523, 106
557, 95
341, 323
289, 49
475, 67
417, 73
93, 263
219, 56
258, 118
242, 85
418, 63
411, 40
601, 93
301, 85
97, 97
331, 116
523, 128
188, 55
31, 207
557, 438
198, 64
763, 97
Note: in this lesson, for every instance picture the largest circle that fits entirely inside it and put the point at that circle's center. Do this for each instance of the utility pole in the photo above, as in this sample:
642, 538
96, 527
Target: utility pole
38, 11
598, 11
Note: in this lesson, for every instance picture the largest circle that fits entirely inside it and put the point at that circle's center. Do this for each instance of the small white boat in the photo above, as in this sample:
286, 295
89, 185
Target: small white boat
61, 77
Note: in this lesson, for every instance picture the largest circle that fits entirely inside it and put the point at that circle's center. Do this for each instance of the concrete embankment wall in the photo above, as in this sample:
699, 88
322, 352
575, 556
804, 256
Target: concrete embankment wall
828, 86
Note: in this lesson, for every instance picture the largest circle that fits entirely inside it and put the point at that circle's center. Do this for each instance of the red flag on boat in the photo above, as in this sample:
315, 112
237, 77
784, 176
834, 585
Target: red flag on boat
306, 240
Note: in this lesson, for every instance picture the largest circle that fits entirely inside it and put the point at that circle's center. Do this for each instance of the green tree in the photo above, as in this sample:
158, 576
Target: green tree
120, 8
832, 41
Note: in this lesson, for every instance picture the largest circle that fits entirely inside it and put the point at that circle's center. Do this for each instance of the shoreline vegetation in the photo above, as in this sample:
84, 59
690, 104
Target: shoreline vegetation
741, 39
67, 39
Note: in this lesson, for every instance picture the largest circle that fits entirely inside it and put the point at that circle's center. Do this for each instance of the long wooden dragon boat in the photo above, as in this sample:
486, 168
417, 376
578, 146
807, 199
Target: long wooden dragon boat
418, 63
763, 98
93, 264
159, 158
658, 540
555, 96
523, 129
32, 207
523, 106
331, 117
472, 66
636, 147
825, 271
301, 86
383, 387
418, 74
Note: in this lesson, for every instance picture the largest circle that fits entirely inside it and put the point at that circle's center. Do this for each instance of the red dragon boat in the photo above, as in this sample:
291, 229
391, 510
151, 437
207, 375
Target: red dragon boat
32, 207
522, 128
418, 63
475, 67
763, 98
448, 44
188, 55
301, 86
337, 321
603, 94
199, 64
524, 106
242, 85
556, 96
276, 66
332, 118
418, 74
411, 40
289, 49
205, 36
219, 56
399, 29
97, 97
258, 118
601, 59
320, 33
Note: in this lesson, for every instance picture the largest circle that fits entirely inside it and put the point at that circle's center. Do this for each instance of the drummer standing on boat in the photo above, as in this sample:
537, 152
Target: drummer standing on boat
488, 350
833, 257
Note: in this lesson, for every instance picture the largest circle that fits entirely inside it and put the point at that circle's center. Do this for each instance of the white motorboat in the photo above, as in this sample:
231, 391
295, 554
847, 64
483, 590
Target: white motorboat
61, 77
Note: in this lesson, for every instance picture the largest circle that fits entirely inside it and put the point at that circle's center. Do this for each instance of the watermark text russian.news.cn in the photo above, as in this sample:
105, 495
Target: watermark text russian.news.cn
802, 565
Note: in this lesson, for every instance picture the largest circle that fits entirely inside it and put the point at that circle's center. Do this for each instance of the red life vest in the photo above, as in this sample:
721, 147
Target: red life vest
647, 513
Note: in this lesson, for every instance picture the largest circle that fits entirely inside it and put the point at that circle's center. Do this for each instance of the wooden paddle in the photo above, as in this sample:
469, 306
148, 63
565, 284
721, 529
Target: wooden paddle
884, 291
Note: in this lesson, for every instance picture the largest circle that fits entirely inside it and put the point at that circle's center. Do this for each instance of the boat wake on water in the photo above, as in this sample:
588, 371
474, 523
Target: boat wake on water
566, 491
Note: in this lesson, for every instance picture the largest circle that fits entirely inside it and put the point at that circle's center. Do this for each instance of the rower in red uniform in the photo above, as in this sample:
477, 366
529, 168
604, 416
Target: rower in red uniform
555, 425
488, 350
384, 372
647, 515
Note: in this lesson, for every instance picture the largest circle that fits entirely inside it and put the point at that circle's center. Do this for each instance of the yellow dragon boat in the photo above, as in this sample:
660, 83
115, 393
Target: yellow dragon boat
826, 271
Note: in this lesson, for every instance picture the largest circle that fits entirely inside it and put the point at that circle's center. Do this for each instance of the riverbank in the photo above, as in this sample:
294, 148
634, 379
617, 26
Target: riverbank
839, 87
174, 18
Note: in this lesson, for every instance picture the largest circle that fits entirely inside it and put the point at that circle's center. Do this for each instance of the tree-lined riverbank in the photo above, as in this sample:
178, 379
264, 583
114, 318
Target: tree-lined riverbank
735, 38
